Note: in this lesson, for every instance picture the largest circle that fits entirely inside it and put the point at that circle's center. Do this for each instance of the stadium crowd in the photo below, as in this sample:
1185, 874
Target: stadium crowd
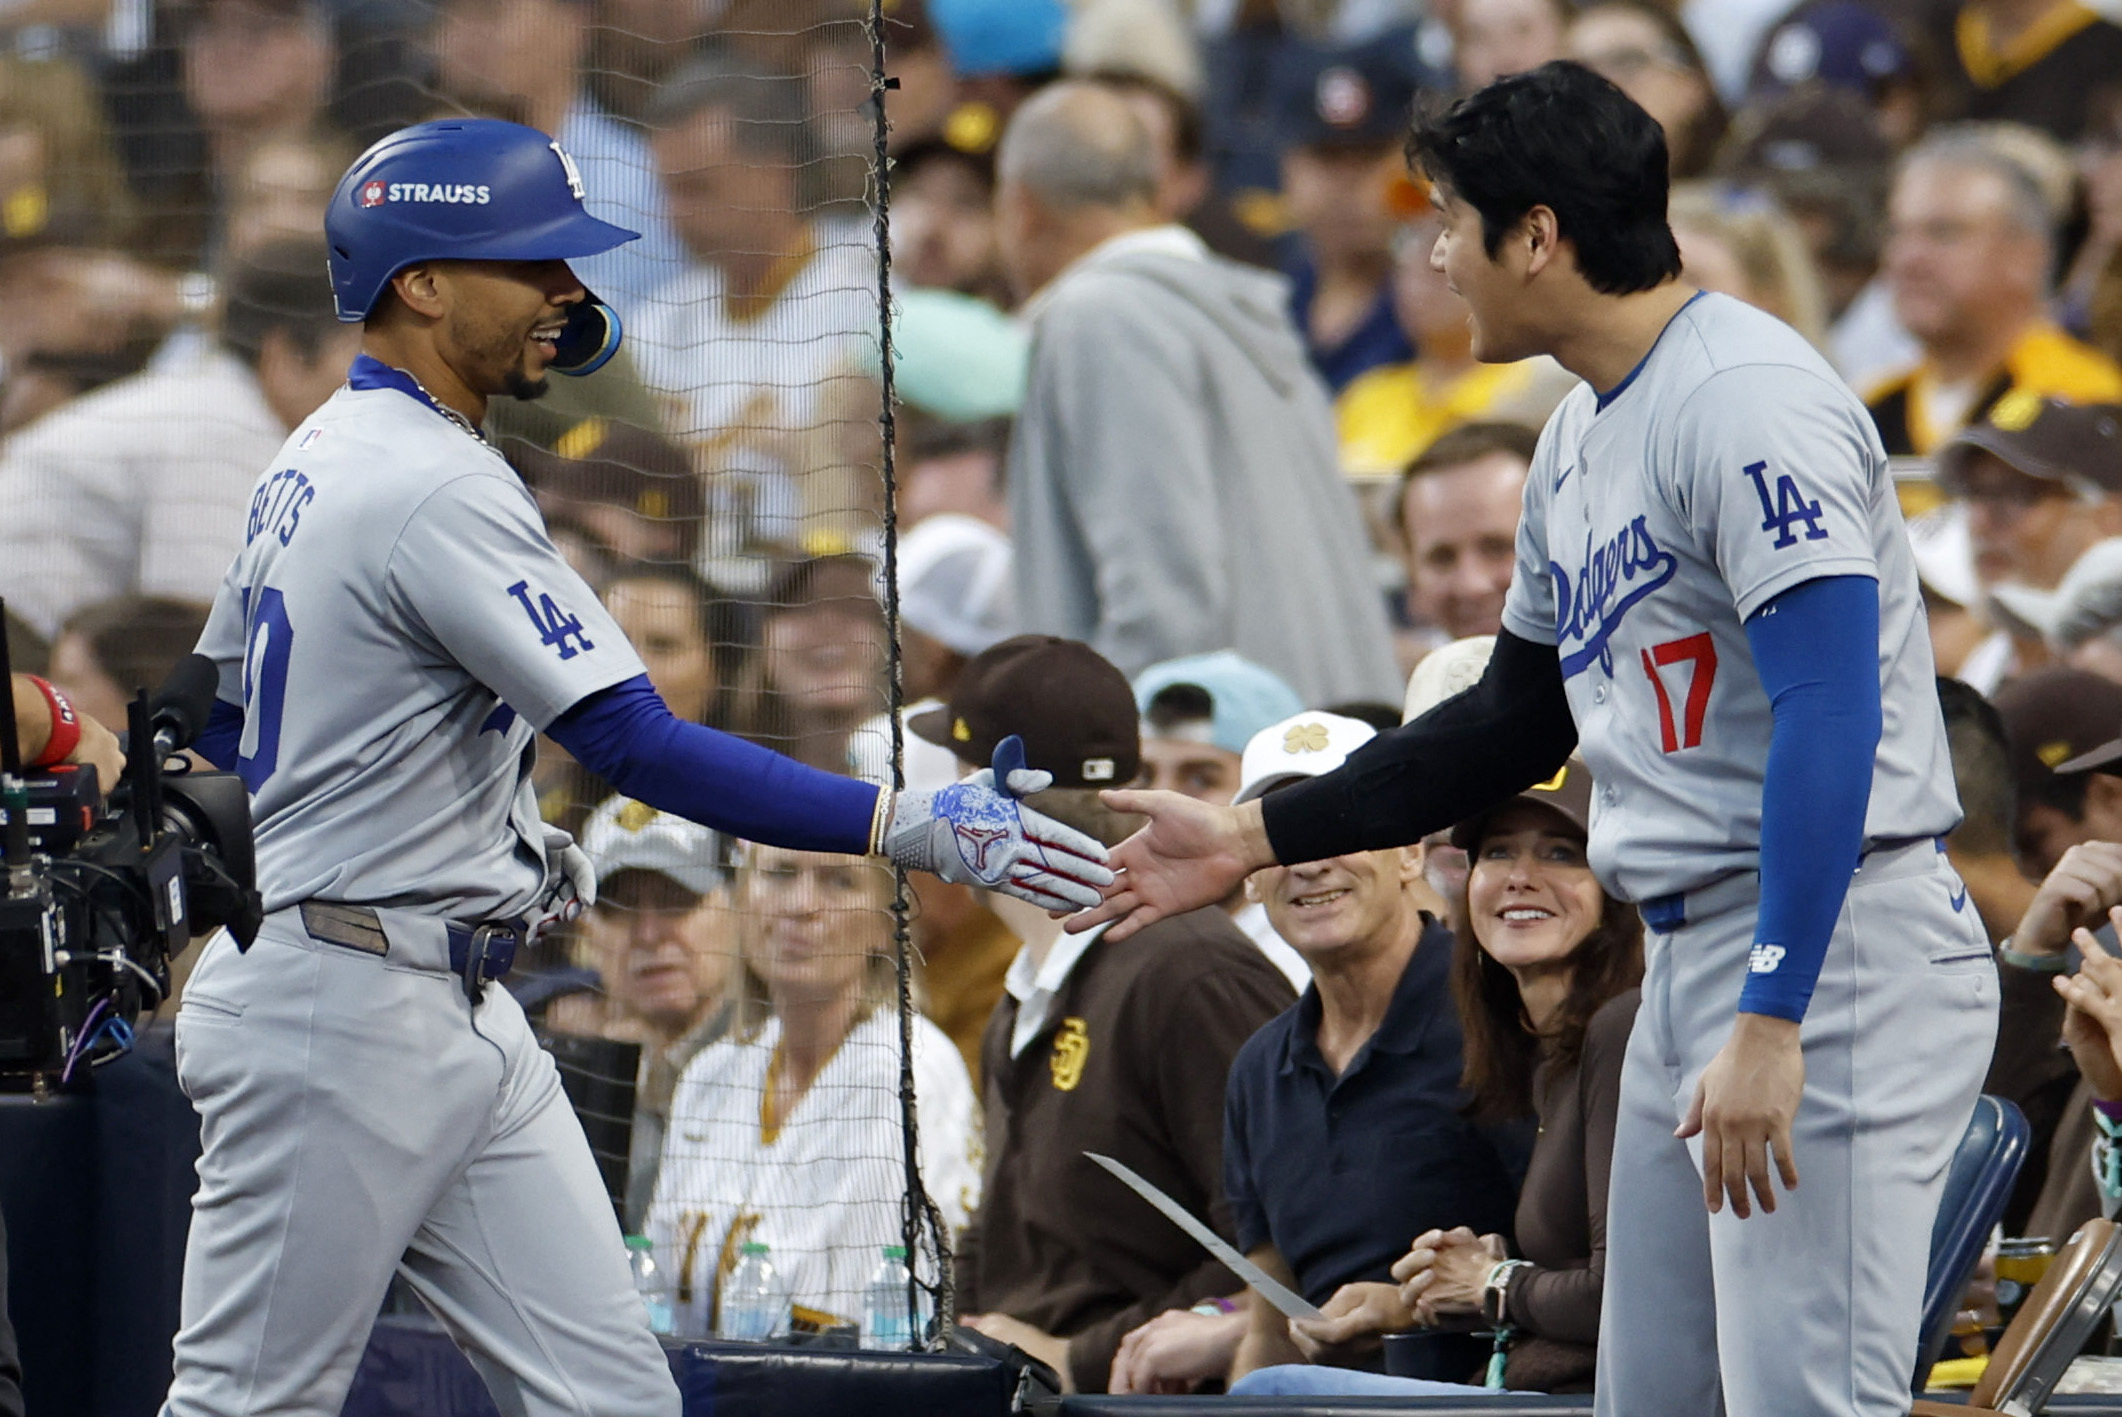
1196, 484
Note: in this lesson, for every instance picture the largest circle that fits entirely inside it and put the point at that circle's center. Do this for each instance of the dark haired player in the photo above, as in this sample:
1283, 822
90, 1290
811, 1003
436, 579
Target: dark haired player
1714, 593
396, 630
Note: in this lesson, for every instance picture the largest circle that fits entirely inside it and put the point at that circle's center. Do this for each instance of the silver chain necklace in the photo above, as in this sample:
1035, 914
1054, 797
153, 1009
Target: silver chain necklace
446, 411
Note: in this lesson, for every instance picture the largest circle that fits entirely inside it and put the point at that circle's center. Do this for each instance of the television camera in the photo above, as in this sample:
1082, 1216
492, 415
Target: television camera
98, 895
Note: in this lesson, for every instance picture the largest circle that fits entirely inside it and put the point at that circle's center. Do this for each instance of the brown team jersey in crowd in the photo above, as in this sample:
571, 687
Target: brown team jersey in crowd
1131, 1064
2044, 362
2058, 74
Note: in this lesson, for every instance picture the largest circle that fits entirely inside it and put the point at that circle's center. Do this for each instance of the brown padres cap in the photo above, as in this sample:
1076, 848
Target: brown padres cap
2059, 720
1068, 703
2045, 438
604, 461
1569, 792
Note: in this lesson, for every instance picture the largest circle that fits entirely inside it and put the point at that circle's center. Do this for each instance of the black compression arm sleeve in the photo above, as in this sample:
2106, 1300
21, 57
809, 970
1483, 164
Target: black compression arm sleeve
1509, 731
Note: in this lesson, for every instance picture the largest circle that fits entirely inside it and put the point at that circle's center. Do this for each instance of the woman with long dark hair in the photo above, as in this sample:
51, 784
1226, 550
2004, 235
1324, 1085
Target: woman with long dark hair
1545, 975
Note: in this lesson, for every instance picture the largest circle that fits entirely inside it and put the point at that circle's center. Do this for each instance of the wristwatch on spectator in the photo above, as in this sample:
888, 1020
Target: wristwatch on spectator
1495, 1291
2054, 963
2107, 1148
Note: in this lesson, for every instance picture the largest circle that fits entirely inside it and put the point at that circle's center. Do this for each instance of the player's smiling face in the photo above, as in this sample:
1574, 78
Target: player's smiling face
504, 319
1328, 905
1493, 289
1531, 894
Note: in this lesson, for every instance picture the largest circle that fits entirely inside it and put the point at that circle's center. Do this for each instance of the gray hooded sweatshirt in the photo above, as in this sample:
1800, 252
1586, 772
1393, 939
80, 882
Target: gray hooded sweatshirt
1173, 483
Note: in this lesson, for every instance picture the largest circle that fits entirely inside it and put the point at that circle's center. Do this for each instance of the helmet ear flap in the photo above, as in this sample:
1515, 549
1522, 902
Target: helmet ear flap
589, 340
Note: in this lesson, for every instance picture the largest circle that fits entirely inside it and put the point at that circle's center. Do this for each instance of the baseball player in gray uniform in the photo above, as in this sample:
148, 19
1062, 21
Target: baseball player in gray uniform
1715, 597
396, 630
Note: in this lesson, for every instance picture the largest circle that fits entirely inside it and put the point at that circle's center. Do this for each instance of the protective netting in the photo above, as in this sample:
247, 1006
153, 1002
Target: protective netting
743, 1030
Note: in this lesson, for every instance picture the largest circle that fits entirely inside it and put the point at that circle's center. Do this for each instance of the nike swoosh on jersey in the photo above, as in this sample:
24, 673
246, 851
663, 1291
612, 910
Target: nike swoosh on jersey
1564, 477
1958, 899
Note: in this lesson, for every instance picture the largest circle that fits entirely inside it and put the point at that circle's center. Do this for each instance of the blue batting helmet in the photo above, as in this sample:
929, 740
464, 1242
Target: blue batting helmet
466, 189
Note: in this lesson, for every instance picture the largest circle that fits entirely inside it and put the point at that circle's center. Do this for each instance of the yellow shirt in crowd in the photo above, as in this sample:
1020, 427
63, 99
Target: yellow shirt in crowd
1388, 416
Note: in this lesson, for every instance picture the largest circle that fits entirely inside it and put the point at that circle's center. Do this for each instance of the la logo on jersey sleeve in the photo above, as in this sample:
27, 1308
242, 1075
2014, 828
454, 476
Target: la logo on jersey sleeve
1787, 509
556, 628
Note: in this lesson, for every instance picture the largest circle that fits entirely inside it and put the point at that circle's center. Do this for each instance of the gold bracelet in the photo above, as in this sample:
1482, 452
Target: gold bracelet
880, 821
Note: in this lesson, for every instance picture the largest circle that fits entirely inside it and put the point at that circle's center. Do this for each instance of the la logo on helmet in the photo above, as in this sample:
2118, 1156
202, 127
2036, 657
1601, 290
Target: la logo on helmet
374, 194
574, 178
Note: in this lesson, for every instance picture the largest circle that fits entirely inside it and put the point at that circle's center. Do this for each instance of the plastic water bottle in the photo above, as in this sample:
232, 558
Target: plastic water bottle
884, 1313
649, 1282
754, 1301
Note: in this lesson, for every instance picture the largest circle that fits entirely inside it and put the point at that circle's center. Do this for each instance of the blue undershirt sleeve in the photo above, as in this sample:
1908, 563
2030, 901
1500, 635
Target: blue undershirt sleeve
627, 736
222, 738
1816, 649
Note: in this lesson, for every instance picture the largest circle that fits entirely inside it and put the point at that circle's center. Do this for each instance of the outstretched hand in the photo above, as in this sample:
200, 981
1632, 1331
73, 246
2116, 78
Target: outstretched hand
1191, 854
976, 833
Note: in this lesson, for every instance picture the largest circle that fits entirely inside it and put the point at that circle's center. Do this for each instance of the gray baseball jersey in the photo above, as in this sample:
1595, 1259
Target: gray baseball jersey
396, 627
1730, 466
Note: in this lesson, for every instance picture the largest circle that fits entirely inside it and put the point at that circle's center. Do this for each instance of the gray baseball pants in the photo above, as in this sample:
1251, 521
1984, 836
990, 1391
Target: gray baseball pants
1812, 1311
360, 1118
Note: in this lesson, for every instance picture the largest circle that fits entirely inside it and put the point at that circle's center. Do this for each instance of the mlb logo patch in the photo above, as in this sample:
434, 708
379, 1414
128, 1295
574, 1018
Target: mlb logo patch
374, 194
310, 439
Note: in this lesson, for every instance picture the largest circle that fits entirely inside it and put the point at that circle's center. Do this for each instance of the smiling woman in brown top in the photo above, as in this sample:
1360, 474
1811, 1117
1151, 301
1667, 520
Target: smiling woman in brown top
1545, 978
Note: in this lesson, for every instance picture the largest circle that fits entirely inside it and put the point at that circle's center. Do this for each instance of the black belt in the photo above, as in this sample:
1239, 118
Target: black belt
477, 953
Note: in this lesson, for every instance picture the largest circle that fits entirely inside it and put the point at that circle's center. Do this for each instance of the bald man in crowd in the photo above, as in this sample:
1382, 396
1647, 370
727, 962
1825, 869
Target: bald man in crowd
1173, 479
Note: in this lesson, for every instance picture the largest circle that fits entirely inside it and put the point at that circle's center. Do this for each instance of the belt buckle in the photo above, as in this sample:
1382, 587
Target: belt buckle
490, 955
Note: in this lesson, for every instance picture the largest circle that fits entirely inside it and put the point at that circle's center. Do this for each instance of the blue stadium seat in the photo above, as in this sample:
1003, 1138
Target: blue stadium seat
1976, 1188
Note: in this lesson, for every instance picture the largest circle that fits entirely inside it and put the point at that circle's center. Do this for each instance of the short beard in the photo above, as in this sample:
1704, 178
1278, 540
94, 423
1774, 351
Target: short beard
523, 388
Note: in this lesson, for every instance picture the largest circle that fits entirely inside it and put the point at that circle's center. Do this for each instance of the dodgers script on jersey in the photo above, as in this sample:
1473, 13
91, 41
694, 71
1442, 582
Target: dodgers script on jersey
396, 628
1732, 465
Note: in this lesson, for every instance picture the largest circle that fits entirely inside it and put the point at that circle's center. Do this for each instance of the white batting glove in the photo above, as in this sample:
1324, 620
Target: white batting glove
570, 885
973, 834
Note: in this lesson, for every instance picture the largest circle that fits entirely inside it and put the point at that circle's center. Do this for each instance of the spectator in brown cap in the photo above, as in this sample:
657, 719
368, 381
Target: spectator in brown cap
2073, 803
2063, 826
2051, 717
631, 489
1120, 1050
2040, 478
2042, 481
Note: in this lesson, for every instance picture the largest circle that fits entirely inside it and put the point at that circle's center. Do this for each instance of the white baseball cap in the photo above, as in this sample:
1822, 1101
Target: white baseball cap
1944, 552
1307, 744
1445, 671
625, 835
955, 582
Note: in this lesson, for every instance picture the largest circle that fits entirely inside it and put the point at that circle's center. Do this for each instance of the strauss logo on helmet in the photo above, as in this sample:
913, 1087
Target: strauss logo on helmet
374, 194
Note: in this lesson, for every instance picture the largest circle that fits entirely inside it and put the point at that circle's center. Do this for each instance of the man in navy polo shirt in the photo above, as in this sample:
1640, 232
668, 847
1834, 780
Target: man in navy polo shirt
1343, 1132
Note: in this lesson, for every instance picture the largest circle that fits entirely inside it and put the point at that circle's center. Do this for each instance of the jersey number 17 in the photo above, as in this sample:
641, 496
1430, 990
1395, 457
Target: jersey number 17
1700, 651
